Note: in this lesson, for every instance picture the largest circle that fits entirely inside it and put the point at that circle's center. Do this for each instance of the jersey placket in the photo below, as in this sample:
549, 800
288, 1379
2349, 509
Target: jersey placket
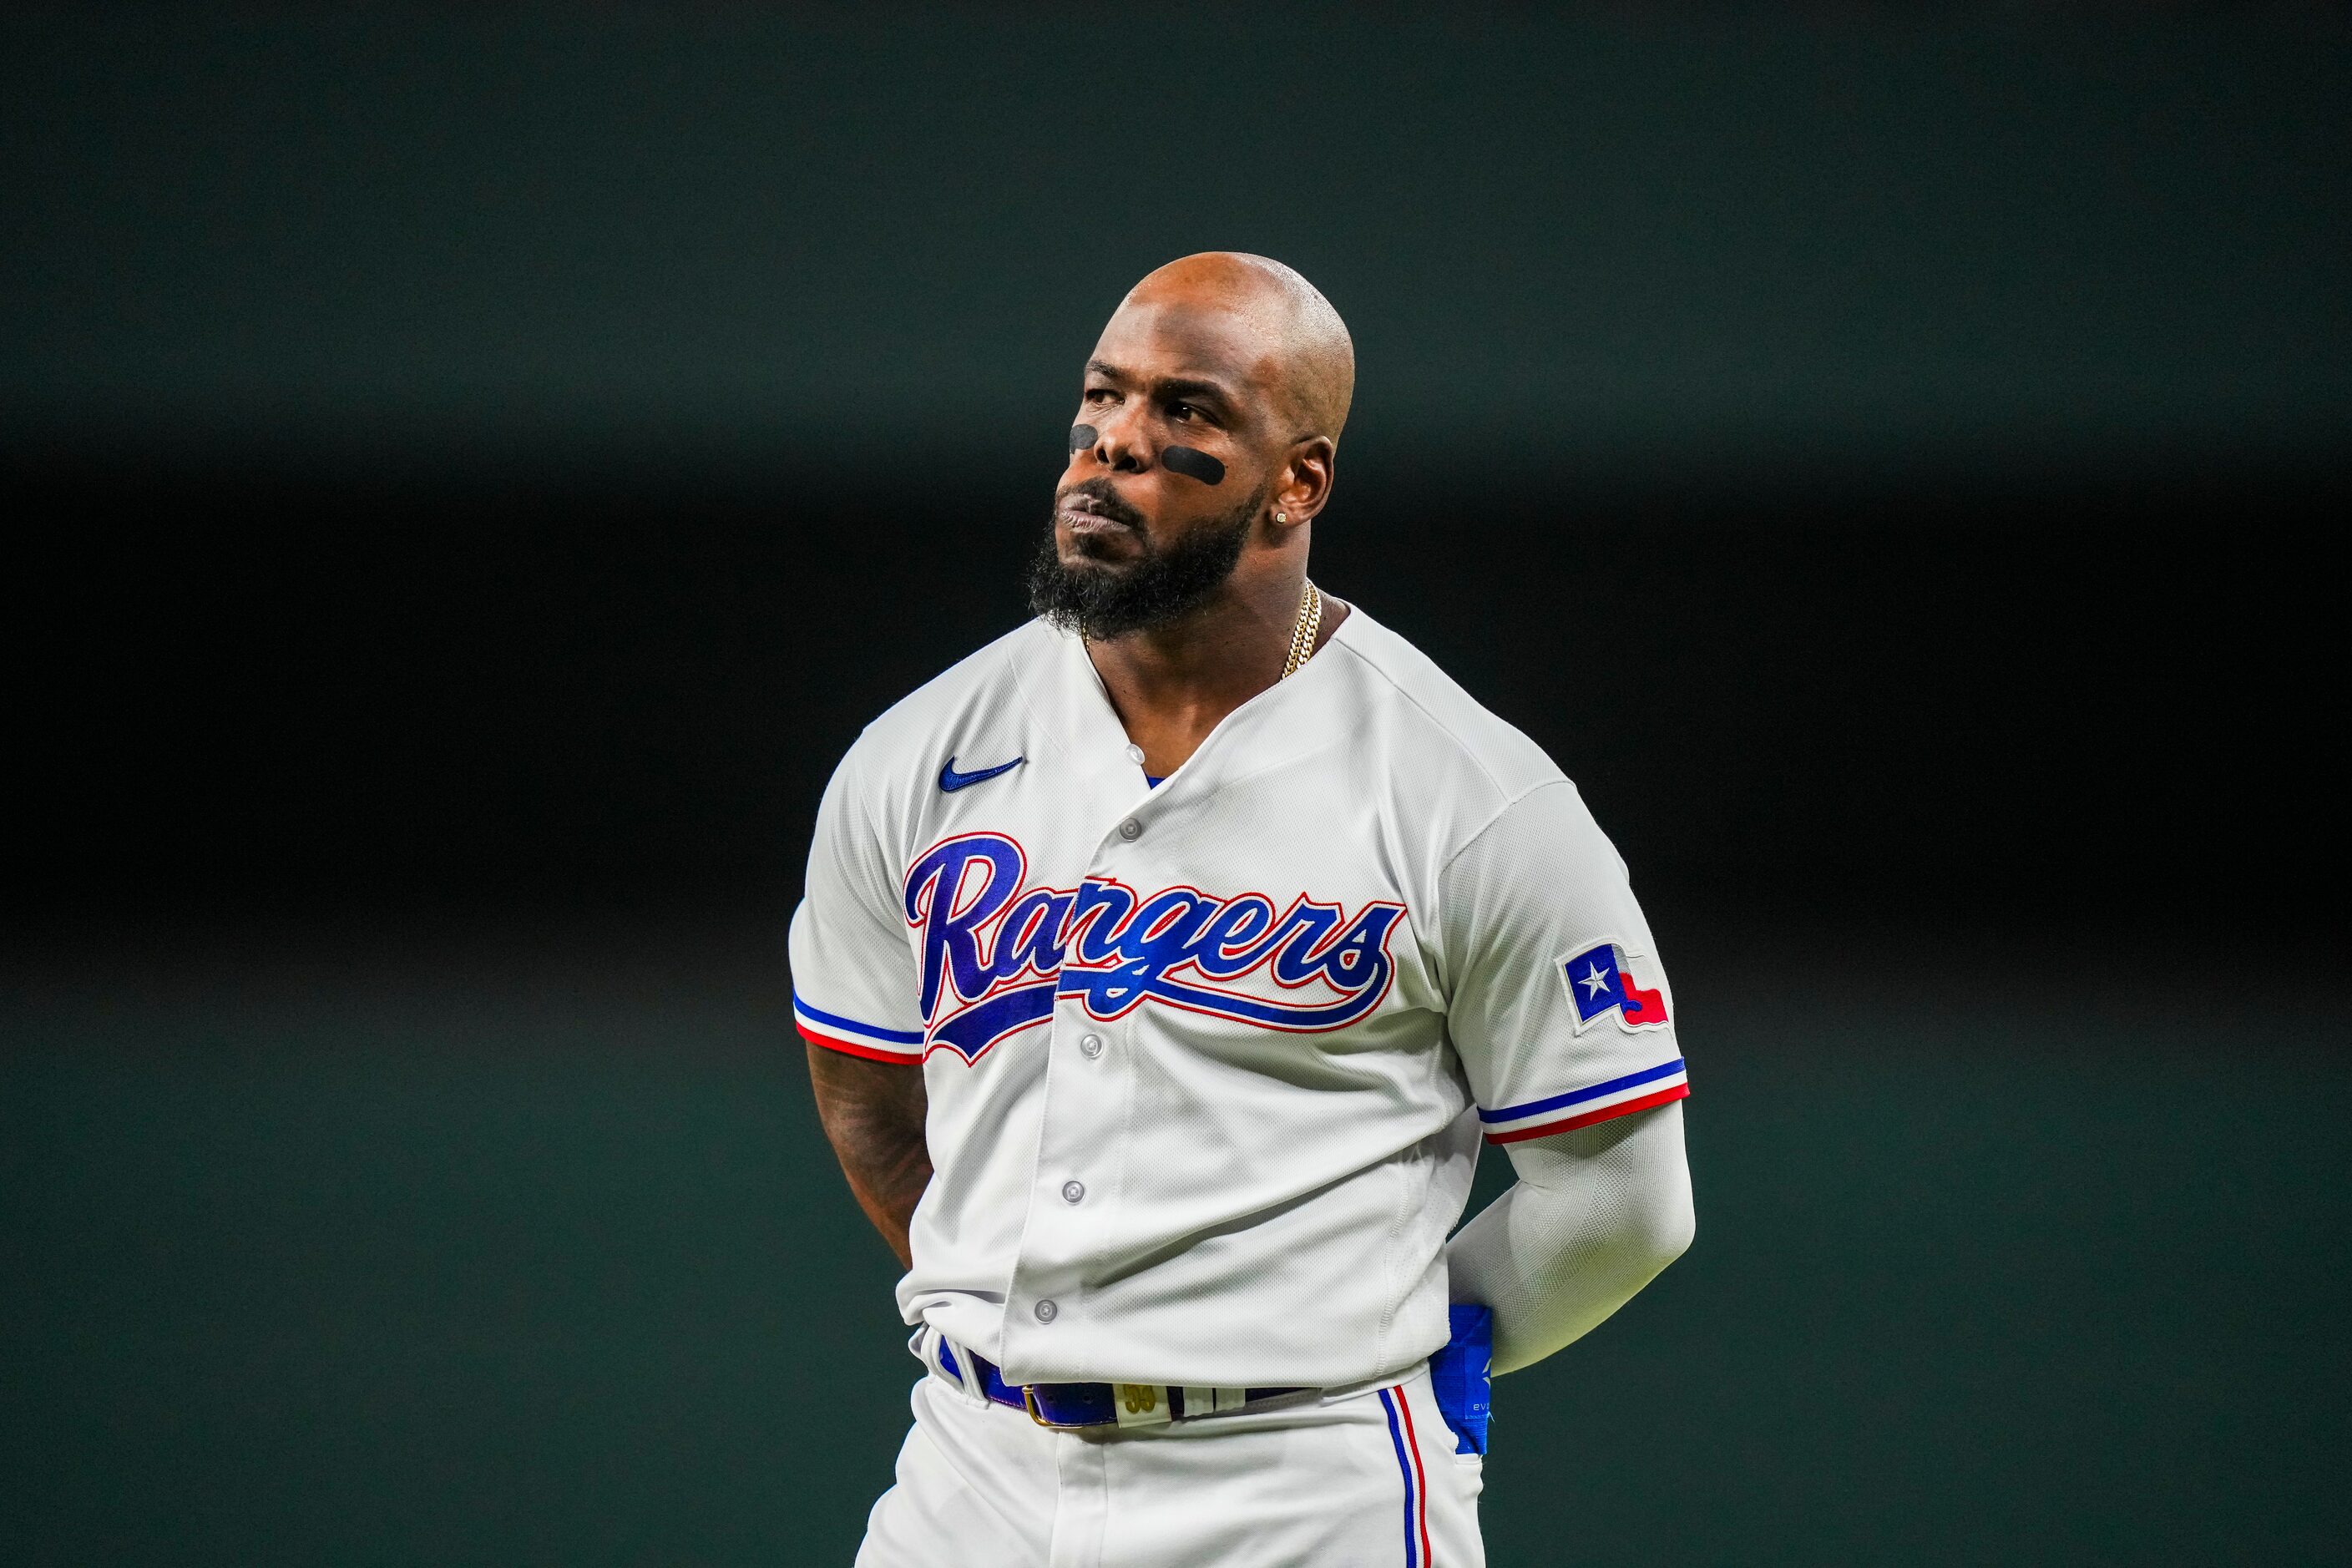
1088, 1095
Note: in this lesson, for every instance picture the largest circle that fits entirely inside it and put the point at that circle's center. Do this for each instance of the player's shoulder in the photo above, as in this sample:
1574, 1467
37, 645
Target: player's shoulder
983, 682
1449, 728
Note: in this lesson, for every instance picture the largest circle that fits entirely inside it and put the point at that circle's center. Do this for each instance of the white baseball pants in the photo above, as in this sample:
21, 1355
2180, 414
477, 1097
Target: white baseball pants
1361, 1478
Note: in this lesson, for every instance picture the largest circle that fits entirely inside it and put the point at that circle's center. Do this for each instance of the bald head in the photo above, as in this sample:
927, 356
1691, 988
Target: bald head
1205, 443
1307, 367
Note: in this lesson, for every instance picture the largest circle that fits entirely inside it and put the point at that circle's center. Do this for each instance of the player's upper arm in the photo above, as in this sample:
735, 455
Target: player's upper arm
1558, 1005
854, 982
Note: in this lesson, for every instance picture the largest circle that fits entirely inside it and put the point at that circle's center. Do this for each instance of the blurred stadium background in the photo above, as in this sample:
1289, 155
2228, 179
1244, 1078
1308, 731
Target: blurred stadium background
474, 474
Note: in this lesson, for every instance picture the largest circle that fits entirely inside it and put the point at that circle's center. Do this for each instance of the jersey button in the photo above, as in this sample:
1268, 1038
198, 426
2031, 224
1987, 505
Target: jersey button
1130, 830
1073, 1191
1046, 1311
1090, 1046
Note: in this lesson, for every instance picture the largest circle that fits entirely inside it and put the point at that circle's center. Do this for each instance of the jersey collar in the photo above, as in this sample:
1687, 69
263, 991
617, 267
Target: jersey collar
1066, 697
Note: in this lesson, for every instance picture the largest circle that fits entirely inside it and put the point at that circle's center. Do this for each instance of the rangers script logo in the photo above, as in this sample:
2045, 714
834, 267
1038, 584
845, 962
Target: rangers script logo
995, 958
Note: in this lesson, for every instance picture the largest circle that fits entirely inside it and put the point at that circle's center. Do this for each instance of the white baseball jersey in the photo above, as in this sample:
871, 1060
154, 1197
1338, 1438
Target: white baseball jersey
1207, 1063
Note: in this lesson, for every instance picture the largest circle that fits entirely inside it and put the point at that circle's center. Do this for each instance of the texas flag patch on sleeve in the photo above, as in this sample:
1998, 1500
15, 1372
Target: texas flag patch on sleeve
1603, 980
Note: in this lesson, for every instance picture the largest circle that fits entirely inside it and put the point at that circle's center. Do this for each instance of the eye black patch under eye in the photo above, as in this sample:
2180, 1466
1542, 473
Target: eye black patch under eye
1192, 464
1081, 437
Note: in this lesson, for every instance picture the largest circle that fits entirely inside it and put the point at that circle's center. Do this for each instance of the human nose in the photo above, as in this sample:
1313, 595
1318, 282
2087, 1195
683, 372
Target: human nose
1120, 444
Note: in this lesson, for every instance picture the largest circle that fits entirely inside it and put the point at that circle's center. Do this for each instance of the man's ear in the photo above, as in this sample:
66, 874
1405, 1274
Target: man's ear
1305, 487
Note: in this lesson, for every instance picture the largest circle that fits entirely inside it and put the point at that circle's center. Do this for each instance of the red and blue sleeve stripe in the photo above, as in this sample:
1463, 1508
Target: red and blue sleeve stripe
1584, 1106
836, 1033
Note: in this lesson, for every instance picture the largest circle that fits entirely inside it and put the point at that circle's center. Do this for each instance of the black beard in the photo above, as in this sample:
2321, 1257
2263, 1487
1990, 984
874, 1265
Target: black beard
1161, 586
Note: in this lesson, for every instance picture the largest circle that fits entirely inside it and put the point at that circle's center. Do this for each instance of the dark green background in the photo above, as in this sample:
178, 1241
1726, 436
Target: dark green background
473, 476
1645, 236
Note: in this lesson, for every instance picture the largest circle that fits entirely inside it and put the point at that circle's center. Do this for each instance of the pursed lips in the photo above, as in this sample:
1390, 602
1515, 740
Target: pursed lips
1084, 515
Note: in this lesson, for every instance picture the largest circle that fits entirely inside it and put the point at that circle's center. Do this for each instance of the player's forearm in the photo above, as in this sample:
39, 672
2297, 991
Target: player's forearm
1595, 1216
873, 1115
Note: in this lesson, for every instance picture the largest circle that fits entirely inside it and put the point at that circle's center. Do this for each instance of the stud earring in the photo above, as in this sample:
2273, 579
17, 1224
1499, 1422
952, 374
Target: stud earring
1282, 517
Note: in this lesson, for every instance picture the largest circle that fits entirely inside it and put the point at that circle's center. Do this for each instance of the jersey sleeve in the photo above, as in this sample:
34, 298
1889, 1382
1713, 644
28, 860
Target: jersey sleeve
1556, 1003
855, 988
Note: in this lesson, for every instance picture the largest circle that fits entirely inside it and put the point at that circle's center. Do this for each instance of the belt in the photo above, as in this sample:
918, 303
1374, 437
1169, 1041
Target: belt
1067, 1406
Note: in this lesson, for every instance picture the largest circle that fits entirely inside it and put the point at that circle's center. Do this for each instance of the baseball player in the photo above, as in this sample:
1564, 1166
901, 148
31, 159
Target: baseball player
1163, 964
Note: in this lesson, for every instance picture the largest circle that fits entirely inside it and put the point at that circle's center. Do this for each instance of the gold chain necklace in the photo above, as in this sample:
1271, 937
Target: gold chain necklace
1302, 632
1302, 636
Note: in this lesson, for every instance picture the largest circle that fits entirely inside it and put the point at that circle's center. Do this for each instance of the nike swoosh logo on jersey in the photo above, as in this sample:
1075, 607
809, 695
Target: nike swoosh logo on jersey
952, 781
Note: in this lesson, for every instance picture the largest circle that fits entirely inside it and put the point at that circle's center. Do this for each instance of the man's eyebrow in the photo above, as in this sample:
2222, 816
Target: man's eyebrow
1186, 386
1178, 386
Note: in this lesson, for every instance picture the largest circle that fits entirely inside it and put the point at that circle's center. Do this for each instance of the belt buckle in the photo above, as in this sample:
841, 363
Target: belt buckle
1119, 1405
1029, 1402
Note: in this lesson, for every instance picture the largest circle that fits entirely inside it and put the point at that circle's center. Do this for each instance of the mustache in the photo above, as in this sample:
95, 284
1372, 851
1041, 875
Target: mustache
1107, 501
